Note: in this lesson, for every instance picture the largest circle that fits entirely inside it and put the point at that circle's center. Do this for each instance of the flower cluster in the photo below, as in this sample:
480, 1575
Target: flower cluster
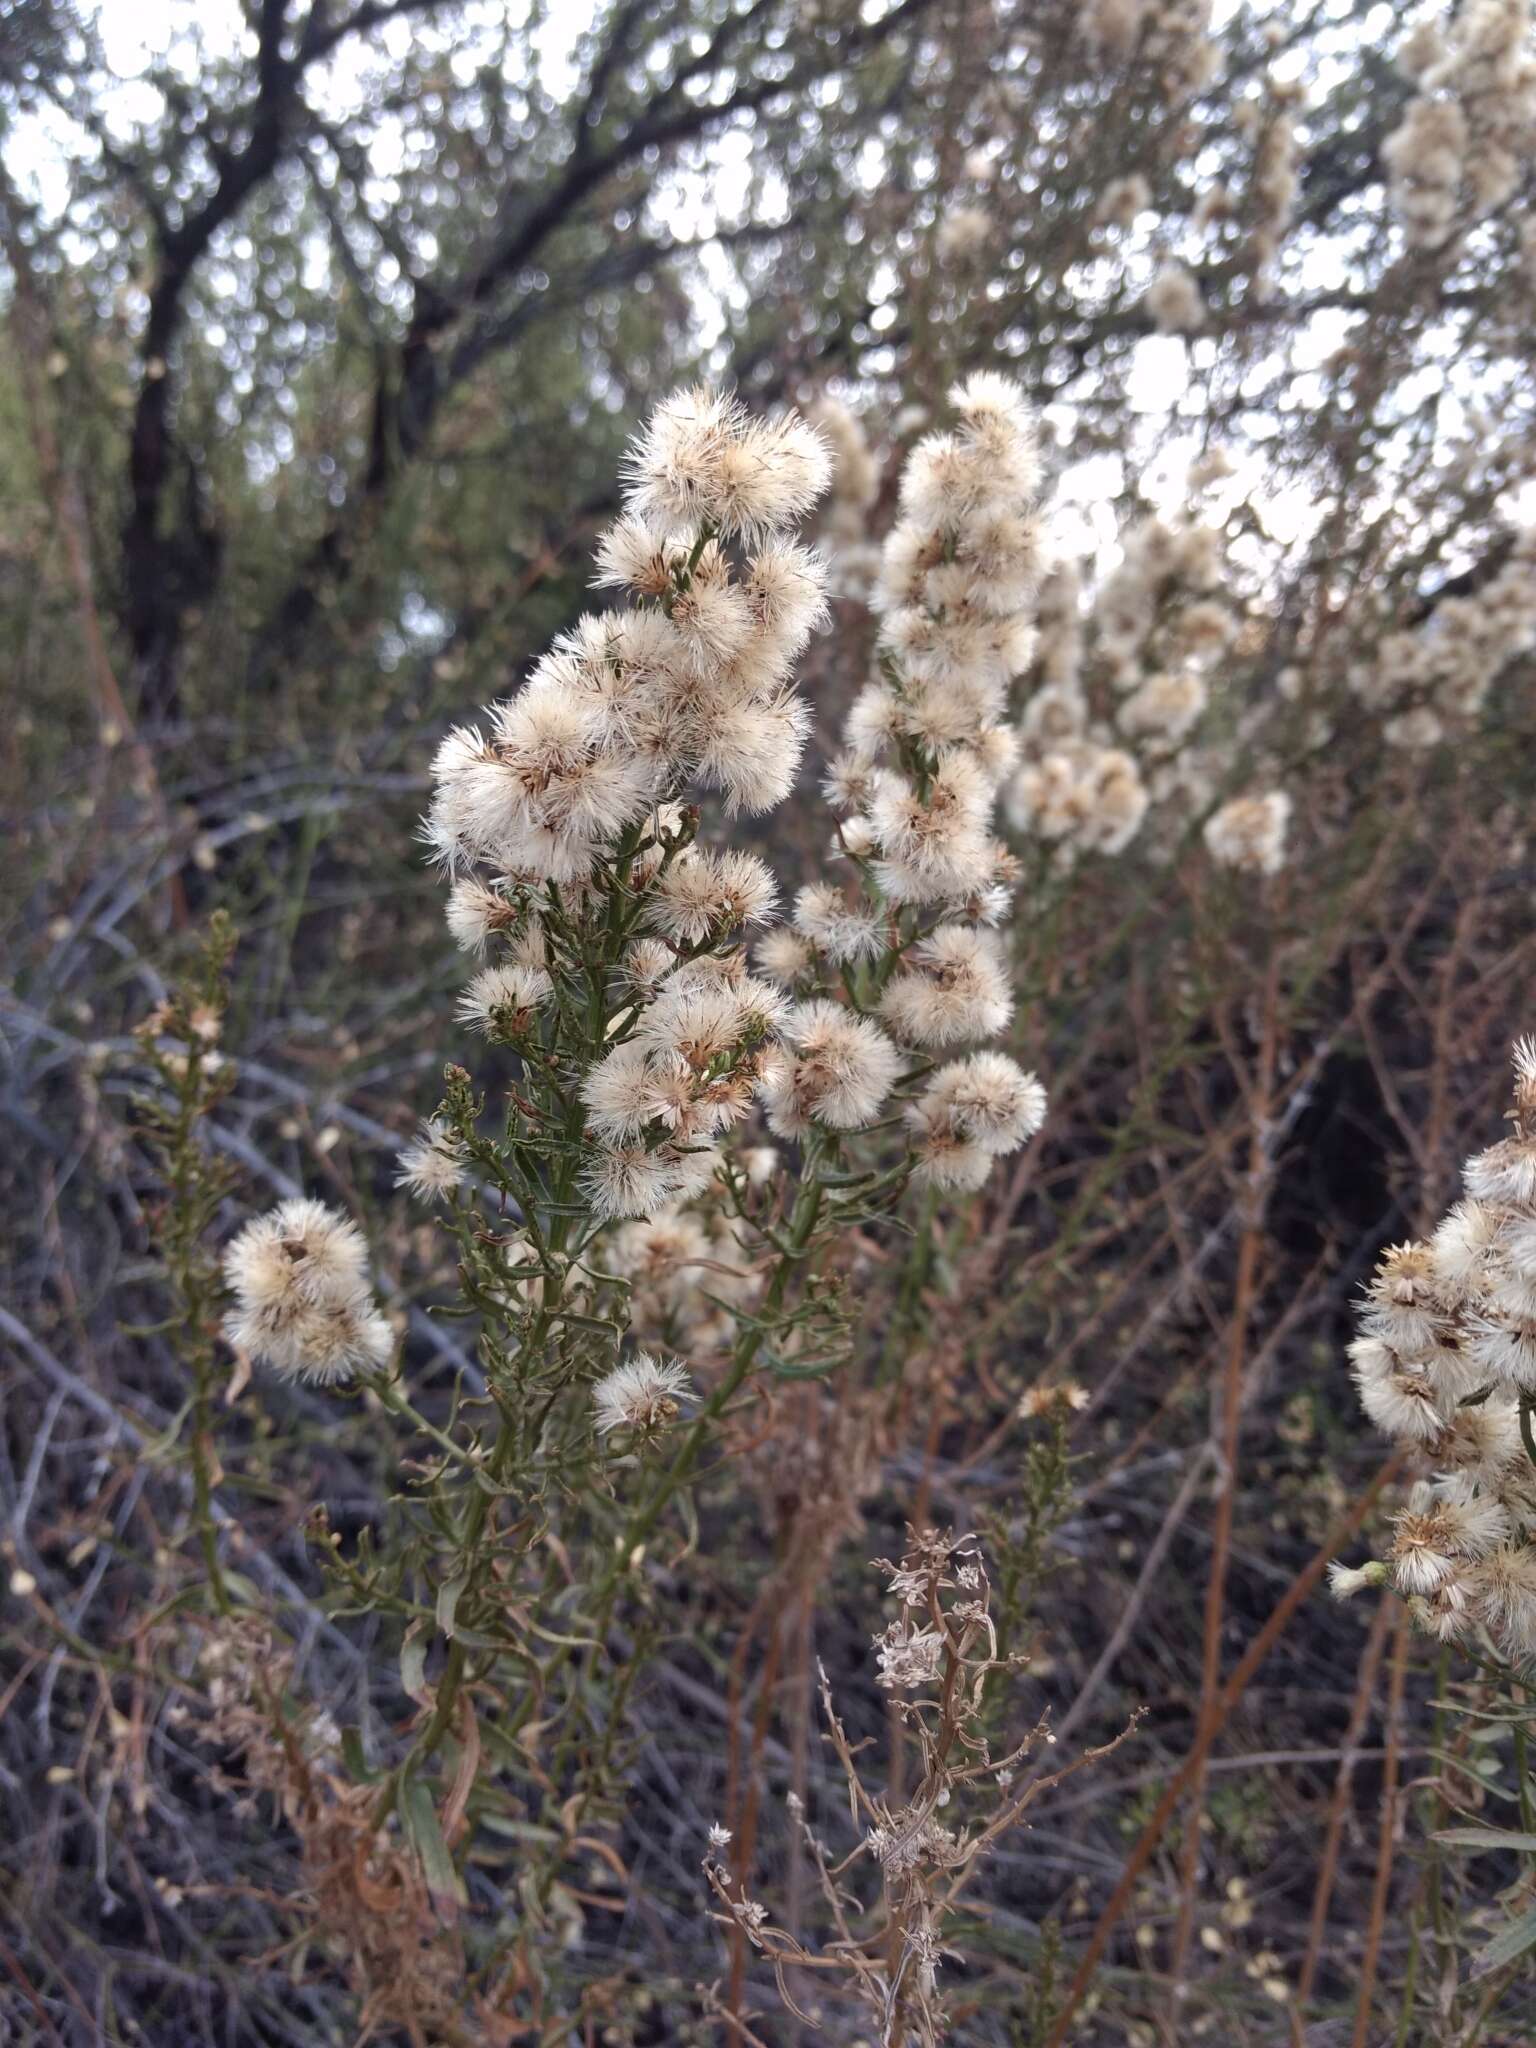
701, 1049
1427, 677
1163, 600
1275, 184
855, 485
1174, 302
1249, 833
1249, 218
1468, 131
911, 935
937, 1659
1074, 788
690, 682
1172, 38
303, 1299
689, 1268
1446, 1365
962, 234
937, 1571
1123, 201
1115, 727
576, 790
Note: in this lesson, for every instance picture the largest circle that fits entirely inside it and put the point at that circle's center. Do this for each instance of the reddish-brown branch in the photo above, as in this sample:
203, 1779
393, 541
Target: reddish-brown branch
1237, 1684
1381, 1889
1249, 1248
1322, 1897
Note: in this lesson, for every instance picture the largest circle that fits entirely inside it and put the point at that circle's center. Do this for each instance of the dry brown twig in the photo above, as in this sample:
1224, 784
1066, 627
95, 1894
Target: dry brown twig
936, 1659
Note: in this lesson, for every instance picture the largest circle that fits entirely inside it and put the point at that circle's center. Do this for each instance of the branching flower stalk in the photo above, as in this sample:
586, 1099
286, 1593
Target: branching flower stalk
912, 934
936, 1660
1446, 1365
632, 1253
180, 1038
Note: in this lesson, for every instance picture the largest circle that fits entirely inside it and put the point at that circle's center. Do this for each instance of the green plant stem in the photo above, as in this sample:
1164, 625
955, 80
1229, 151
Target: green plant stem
802, 1225
915, 1274
202, 1490
1523, 1777
803, 1220
470, 1550
394, 1398
191, 1285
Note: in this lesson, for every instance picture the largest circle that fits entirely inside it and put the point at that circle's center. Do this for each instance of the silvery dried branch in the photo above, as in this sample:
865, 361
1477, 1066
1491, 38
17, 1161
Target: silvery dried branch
935, 1659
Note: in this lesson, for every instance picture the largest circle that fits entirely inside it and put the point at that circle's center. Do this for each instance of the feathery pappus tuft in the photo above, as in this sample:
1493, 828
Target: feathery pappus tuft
706, 895
1249, 833
641, 1395
841, 1069
503, 1001
432, 1166
303, 1301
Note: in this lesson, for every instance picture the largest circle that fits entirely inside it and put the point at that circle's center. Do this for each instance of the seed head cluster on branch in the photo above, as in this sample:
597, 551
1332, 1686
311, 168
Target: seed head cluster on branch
1446, 1366
614, 935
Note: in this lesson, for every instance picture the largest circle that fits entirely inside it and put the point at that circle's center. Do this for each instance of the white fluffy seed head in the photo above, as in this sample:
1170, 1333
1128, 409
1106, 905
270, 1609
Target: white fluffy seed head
944, 1157
703, 460
1504, 1175
302, 1299
707, 895
786, 593
955, 990
634, 555
641, 1395
992, 1100
323, 1346
1404, 1405
621, 1094
844, 930
504, 1001
699, 1019
841, 1070
1249, 833
784, 956
301, 1251
1165, 709
432, 1166
752, 753
633, 1180
477, 913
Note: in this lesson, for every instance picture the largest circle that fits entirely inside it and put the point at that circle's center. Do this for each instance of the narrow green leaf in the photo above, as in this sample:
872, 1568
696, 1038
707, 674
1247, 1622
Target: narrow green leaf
419, 1817
472, 1639
569, 1315
1489, 1838
518, 1830
802, 1369
1480, 1772
356, 1762
447, 1603
1504, 1948
154, 1447
413, 1661
243, 1588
